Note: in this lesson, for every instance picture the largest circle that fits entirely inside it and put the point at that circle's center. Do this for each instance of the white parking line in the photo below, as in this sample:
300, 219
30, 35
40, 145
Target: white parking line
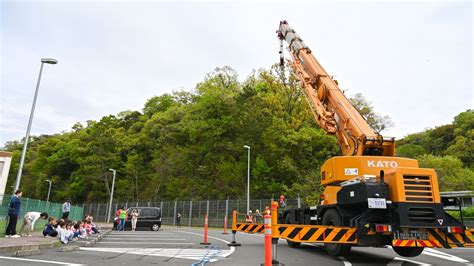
41, 261
144, 236
182, 253
143, 239
140, 234
345, 261
130, 238
436, 253
395, 263
399, 261
230, 251
145, 243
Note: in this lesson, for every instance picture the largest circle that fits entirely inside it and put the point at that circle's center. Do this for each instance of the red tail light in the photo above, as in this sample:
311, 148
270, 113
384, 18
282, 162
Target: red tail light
382, 228
454, 229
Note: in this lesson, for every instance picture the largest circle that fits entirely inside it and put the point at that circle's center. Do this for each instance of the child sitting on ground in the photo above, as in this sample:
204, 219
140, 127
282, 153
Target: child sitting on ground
50, 228
87, 226
82, 230
94, 227
69, 232
62, 232
76, 228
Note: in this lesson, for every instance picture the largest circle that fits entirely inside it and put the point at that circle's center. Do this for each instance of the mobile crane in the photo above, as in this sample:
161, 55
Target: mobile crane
386, 200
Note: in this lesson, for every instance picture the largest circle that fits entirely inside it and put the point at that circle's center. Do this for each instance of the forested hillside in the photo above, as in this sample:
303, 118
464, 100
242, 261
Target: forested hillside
190, 145
449, 149
186, 146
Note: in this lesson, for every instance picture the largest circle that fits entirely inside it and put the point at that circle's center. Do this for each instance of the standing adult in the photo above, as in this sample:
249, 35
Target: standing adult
66, 209
178, 220
282, 201
117, 219
258, 216
122, 217
13, 212
134, 216
249, 217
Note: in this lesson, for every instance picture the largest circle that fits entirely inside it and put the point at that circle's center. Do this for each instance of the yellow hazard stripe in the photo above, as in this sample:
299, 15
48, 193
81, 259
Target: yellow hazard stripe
451, 240
403, 243
469, 238
248, 227
318, 233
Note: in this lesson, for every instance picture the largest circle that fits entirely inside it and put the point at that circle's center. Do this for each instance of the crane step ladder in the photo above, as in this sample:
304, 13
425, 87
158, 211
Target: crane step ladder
449, 237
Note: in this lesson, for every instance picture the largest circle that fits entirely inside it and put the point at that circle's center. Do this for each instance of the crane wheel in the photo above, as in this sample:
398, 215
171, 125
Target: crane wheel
332, 217
408, 251
291, 243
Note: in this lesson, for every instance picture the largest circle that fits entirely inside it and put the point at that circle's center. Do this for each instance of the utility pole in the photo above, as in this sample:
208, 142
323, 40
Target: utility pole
248, 178
49, 190
27, 137
111, 195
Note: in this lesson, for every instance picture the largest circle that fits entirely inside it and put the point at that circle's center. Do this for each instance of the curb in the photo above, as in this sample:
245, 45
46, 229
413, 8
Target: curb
69, 248
24, 248
24, 253
95, 240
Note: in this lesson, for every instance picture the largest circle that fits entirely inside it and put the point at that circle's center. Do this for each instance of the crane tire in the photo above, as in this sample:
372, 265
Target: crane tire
408, 251
332, 217
289, 242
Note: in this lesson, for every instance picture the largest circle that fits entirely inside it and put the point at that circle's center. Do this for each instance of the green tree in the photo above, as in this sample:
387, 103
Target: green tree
451, 174
190, 145
377, 122
410, 150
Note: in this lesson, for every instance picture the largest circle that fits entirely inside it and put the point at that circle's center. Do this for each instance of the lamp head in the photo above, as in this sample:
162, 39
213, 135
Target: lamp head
247, 147
51, 61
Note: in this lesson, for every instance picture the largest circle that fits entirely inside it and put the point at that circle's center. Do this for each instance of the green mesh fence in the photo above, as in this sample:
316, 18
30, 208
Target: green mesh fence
192, 212
27, 205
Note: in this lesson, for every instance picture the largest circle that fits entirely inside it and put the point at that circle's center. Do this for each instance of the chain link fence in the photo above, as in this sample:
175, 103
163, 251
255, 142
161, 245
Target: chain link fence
192, 212
27, 205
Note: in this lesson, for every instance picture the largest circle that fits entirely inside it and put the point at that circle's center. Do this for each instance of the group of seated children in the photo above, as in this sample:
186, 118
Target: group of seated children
68, 231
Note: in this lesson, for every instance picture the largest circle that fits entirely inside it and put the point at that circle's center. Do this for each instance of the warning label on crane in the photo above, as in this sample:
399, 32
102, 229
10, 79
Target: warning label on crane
351, 171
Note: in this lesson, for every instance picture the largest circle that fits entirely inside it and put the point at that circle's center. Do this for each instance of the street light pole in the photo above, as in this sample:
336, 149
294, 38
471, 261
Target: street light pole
25, 144
49, 190
111, 194
248, 178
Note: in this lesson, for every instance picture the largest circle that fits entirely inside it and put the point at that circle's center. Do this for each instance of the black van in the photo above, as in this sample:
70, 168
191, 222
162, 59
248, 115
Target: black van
148, 218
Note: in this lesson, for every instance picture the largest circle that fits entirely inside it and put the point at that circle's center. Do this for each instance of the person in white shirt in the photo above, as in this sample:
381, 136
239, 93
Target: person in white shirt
30, 219
66, 209
63, 234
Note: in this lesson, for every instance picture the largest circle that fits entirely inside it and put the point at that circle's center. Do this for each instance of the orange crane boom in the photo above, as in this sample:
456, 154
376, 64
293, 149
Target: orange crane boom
329, 106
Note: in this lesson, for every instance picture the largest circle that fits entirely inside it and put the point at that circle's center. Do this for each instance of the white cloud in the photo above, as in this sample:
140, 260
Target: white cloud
412, 61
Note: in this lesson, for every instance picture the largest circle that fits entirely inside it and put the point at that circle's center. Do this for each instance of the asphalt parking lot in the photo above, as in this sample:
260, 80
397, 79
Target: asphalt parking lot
172, 246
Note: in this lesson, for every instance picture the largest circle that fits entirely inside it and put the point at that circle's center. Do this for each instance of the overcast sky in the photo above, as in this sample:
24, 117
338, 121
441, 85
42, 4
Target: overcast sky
413, 61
